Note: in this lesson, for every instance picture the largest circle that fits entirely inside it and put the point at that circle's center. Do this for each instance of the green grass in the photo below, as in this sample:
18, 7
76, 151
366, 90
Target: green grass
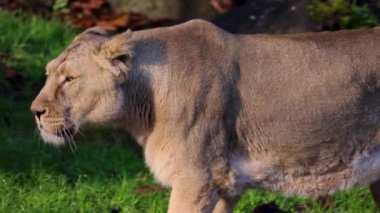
99, 176
107, 170
28, 42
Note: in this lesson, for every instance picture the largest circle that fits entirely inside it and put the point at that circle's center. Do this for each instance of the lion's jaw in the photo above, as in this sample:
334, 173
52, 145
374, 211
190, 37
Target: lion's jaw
52, 138
55, 128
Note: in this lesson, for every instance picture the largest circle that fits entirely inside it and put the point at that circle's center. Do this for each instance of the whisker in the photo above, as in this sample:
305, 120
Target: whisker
60, 134
71, 125
37, 137
35, 134
81, 133
72, 140
68, 125
70, 121
68, 139
69, 135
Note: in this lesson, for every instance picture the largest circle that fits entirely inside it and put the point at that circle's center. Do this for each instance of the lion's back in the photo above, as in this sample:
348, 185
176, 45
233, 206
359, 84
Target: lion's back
310, 103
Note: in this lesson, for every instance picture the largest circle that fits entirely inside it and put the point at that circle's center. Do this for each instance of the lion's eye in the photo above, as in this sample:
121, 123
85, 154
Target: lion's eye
68, 79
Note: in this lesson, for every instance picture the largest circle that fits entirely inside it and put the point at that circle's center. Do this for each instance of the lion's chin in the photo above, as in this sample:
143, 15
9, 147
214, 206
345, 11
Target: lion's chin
52, 138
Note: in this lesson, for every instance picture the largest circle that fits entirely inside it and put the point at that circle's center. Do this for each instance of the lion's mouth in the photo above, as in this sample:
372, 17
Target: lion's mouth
65, 132
58, 136
52, 138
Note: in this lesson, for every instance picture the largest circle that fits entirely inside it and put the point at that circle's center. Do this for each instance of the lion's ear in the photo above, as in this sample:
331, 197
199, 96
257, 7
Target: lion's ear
118, 52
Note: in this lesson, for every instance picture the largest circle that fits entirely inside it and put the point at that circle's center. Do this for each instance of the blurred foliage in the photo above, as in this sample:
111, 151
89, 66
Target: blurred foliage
60, 4
102, 13
342, 14
27, 43
31, 42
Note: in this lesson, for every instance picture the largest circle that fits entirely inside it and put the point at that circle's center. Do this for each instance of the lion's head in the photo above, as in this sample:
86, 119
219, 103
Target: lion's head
83, 85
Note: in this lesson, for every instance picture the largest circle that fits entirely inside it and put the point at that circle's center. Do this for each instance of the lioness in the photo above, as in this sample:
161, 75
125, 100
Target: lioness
218, 113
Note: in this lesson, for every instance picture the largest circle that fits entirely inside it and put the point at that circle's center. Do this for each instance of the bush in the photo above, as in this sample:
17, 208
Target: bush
342, 14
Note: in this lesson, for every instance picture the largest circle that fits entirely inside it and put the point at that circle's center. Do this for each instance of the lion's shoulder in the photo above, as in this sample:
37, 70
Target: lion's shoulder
196, 28
203, 27
199, 24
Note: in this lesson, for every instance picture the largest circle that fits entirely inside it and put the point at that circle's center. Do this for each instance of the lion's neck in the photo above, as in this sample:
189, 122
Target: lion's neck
139, 112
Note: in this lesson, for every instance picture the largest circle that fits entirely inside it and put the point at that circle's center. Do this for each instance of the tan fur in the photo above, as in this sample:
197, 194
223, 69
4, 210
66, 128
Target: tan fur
218, 113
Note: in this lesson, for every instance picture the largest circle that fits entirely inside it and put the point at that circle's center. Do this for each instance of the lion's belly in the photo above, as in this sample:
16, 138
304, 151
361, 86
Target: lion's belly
363, 170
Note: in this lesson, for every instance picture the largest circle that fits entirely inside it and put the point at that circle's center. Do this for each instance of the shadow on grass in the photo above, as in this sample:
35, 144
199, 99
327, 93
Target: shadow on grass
106, 173
100, 153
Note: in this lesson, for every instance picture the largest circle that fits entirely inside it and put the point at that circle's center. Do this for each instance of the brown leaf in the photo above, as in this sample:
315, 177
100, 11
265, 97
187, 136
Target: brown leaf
115, 23
96, 4
84, 22
147, 189
221, 6
10, 73
326, 201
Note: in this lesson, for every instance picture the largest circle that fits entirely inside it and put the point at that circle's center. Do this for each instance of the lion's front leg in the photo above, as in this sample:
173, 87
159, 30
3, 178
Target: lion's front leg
193, 193
226, 205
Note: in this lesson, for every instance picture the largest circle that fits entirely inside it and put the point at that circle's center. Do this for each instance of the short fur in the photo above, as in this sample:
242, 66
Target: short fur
218, 113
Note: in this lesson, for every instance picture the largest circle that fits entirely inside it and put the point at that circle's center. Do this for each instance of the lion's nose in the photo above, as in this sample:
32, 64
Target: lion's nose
38, 112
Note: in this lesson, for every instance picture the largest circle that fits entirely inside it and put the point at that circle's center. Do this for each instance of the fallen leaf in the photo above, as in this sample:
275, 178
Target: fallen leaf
147, 189
114, 23
221, 6
326, 201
